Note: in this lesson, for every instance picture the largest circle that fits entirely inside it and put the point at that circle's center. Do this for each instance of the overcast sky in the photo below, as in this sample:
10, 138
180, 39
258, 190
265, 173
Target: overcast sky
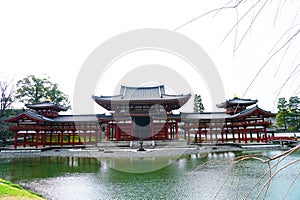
56, 37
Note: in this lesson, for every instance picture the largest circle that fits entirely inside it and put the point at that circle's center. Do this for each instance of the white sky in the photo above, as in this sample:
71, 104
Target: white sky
55, 38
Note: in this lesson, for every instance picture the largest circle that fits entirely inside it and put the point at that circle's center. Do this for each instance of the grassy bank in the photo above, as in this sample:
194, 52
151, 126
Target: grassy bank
9, 190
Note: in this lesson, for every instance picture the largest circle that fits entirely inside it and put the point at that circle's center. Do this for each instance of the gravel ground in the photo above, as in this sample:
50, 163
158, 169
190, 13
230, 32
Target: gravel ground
125, 152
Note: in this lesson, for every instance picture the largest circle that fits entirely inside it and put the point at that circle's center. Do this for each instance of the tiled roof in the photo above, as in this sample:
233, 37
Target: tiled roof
237, 101
46, 105
241, 101
61, 118
222, 115
250, 111
141, 93
30, 114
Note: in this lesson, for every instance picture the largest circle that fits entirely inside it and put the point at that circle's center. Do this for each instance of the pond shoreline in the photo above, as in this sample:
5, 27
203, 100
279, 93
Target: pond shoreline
133, 152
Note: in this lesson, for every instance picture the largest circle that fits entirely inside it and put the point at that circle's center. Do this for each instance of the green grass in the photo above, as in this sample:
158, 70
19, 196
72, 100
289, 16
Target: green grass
9, 189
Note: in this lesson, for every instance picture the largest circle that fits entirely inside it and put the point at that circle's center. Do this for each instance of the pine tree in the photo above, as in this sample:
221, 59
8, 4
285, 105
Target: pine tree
282, 116
198, 105
294, 108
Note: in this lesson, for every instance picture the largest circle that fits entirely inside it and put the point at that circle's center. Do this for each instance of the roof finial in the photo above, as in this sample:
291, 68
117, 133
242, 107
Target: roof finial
235, 96
48, 99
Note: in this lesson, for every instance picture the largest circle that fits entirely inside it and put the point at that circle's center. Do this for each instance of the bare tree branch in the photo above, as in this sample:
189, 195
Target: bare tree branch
209, 12
6, 96
270, 58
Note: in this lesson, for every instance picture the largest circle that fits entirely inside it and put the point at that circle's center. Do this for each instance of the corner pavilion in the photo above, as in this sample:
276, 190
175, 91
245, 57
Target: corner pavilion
140, 113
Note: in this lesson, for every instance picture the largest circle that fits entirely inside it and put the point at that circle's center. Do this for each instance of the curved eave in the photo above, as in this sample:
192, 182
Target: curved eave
23, 115
255, 111
53, 107
174, 102
235, 102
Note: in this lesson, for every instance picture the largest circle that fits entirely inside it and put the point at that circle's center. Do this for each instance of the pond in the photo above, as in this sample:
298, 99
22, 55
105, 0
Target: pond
197, 176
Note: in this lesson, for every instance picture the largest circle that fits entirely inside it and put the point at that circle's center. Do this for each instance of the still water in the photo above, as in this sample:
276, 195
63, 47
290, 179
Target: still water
205, 176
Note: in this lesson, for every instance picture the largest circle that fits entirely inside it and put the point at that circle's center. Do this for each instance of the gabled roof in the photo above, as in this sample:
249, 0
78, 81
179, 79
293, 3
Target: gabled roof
237, 102
47, 106
254, 111
29, 115
142, 95
154, 92
34, 116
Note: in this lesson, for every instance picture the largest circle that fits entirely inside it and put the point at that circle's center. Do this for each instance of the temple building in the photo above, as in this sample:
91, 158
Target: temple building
242, 121
140, 113
41, 125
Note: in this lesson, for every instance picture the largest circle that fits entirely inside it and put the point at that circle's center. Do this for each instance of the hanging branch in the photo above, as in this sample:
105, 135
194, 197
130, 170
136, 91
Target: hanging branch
210, 12
270, 58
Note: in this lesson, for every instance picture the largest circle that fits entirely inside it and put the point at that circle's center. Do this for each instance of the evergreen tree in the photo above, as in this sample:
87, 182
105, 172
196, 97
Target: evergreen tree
198, 105
282, 116
294, 109
32, 89
288, 115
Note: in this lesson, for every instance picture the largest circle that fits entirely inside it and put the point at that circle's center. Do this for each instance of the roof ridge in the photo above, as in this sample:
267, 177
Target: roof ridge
142, 87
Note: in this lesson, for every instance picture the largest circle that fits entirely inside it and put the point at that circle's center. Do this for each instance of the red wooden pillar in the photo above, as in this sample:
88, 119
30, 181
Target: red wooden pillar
16, 140
62, 139
172, 131
242, 135
176, 129
90, 138
44, 138
107, 131
73, 138
239, 138
69, 138
227, 131
36, 139
200, 135
58, 138
245, 134
222, 136
233, 136
167, 129
265, 133
84, 137
117, 132
25, 142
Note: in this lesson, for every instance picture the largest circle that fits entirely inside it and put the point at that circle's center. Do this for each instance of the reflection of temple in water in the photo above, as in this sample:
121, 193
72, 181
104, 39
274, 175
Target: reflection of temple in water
40, 167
